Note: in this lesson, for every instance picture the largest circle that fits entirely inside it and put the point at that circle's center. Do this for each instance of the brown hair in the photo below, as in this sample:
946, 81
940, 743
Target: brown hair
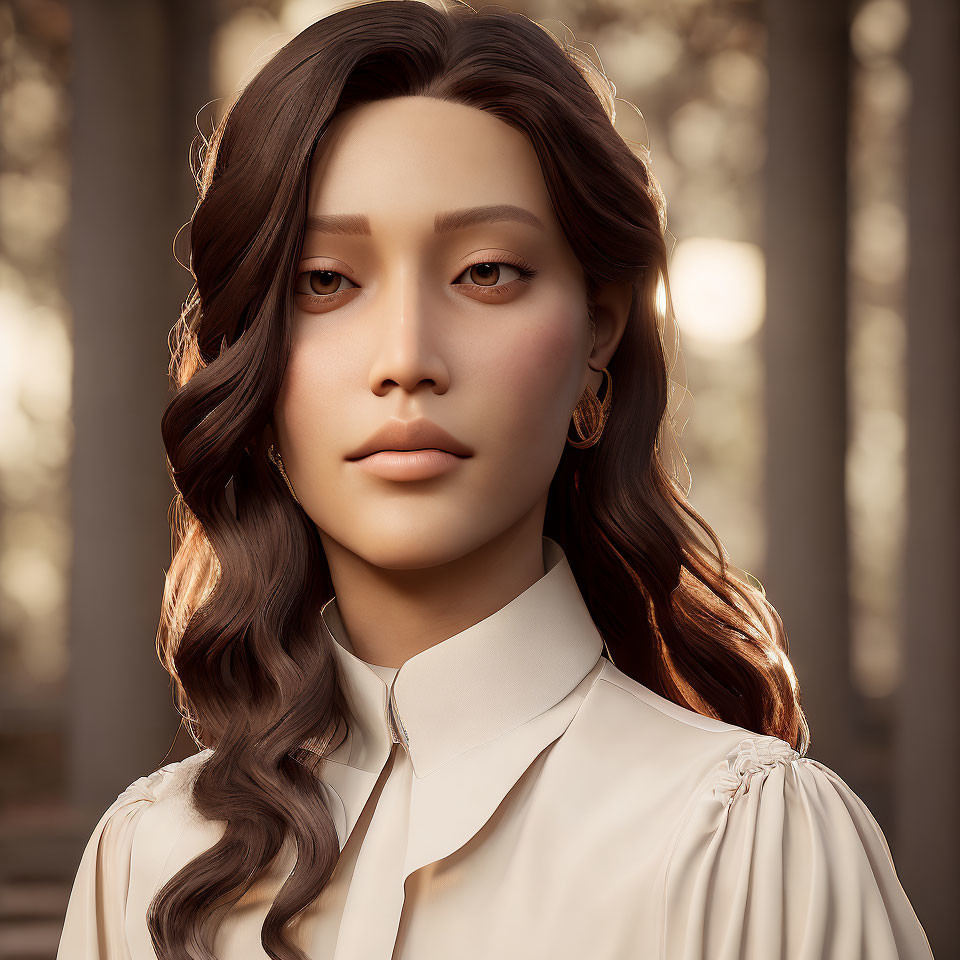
239, 634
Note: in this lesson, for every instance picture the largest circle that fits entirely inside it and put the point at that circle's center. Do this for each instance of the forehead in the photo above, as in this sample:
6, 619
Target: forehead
409, 157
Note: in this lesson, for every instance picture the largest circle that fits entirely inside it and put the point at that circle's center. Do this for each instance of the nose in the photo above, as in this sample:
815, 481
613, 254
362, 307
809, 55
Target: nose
407, 349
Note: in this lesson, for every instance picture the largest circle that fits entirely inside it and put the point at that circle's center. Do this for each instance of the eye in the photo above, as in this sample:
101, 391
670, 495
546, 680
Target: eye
322, 284
486, 274
491, 279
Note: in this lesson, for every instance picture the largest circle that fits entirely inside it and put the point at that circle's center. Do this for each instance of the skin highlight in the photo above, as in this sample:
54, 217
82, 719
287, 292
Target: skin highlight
402, 322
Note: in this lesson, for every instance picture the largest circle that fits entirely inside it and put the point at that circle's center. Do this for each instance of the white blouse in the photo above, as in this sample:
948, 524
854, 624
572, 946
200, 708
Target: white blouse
508, 792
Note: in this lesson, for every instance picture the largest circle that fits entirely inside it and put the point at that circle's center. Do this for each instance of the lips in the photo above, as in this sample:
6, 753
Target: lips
419, 434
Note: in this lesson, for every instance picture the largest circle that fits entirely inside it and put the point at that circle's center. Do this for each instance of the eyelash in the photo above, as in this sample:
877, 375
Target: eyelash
527, 273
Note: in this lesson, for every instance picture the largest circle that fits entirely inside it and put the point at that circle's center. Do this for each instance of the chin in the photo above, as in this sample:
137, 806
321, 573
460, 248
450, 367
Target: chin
407, 545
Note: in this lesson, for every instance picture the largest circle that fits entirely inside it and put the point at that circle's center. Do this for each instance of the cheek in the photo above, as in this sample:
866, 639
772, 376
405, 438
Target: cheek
535, 378
308, 403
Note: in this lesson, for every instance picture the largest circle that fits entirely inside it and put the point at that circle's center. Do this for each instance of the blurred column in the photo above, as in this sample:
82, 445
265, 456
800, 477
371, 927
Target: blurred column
805, 358
928, 734
139, 77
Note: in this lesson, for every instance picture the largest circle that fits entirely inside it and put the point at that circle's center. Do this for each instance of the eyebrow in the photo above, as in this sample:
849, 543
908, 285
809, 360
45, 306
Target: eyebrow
349, 224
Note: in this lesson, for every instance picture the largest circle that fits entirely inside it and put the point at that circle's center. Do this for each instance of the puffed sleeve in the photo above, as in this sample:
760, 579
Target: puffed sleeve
781, 860
93, 927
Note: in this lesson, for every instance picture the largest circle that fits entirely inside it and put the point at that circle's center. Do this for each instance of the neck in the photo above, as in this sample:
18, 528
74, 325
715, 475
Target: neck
393, 613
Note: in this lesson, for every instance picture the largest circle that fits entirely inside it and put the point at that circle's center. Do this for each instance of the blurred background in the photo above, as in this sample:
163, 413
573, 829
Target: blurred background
809, 155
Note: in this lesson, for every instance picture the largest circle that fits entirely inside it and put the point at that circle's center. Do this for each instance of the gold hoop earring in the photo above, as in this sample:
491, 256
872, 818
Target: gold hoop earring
590, 414
277, 461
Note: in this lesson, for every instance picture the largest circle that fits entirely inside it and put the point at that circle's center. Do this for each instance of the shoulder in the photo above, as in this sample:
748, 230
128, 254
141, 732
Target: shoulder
626, 694
147, 818
123, 855
645, 736
637, 763
164, 789
757, 844
776, 848
164, 781
168, 783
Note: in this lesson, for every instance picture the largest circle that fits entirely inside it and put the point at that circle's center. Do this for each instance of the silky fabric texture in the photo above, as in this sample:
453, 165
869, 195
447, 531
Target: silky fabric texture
508, 792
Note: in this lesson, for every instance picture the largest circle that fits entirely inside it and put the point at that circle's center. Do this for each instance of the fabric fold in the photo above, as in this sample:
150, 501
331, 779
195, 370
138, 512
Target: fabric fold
541, 803
781, 859
95, 919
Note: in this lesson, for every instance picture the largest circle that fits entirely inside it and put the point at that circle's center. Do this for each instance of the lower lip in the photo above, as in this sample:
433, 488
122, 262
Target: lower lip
408, 464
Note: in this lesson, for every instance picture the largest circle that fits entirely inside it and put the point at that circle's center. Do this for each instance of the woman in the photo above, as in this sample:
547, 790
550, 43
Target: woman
423, 256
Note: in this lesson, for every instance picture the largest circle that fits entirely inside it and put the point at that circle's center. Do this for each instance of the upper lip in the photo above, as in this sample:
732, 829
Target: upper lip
419, 434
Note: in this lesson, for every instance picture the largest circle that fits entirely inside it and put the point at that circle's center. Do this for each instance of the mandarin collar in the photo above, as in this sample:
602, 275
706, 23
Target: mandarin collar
475, 686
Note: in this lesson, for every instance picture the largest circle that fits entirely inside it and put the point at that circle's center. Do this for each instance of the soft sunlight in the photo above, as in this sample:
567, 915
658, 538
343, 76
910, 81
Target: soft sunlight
718, 289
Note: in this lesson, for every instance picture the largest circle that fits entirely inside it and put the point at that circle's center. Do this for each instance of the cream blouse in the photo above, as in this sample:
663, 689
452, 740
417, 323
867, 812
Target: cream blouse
509, 793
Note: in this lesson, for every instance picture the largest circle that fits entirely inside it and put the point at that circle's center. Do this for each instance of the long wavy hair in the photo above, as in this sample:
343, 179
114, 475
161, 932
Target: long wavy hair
253, 676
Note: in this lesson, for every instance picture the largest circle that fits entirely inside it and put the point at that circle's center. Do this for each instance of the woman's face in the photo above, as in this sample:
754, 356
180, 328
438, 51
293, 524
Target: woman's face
417, 300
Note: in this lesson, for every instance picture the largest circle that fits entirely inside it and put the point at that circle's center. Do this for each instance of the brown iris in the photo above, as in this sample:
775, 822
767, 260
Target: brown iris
331, 277
491, 270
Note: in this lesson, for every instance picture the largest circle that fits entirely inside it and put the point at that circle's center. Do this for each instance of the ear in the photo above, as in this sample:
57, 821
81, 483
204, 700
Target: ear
269, 434
611, 311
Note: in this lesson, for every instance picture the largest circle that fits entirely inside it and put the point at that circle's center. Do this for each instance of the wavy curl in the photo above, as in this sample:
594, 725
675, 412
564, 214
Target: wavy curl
253, 676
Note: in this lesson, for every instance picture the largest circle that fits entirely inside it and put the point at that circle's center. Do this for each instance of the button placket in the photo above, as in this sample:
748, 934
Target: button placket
397, 729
